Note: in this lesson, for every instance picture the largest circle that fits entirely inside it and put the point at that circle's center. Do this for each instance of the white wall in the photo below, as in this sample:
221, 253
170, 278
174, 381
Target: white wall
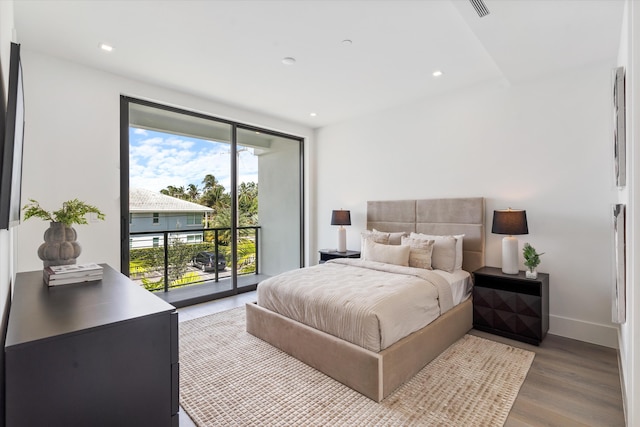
544, 146
629, 343
72, 146
278, 201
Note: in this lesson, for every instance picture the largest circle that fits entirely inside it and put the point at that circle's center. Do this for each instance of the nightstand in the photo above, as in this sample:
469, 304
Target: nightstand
511, 305
327, 254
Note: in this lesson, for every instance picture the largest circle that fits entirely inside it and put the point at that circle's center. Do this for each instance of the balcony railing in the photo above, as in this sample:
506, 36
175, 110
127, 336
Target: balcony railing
162, 260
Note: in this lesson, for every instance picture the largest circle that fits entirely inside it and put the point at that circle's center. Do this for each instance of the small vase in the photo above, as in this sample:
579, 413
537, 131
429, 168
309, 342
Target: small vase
531, 274
60, 246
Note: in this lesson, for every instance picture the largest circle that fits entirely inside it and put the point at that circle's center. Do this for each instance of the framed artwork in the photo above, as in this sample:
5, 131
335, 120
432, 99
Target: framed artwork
619, 297
619, 128
11, 175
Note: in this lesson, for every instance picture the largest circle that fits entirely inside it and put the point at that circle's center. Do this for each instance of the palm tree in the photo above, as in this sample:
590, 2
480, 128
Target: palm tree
177, 192
193, 192
223, 220
169, 191
209, 182
213, 193
248, 202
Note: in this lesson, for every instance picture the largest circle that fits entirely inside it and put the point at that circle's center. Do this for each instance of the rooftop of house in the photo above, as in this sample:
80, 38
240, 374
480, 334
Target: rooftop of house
142, 200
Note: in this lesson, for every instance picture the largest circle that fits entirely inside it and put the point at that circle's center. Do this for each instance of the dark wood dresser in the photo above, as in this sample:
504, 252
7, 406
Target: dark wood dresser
511, 305
102, 353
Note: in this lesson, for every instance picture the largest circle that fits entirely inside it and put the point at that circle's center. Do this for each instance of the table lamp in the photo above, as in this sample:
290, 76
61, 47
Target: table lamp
510, 222
341, 218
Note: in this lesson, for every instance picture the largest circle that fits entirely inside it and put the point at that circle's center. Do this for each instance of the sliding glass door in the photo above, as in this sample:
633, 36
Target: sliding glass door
209, 207
275, 162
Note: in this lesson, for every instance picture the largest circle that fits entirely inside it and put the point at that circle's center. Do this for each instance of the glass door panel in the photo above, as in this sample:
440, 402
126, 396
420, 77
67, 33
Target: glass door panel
269, 197
179, 200
214, 207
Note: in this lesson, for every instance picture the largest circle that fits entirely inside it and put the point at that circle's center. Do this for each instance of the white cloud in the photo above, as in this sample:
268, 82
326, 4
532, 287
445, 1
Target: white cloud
158, 162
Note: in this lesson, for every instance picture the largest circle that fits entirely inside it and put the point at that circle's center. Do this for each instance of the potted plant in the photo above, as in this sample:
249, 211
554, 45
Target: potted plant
531, 260
60, 246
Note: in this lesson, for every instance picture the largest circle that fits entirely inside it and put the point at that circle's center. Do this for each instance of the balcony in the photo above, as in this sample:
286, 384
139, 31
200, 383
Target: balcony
163, 262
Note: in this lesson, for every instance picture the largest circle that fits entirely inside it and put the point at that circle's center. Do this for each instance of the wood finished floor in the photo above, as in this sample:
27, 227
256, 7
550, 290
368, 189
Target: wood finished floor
570, 383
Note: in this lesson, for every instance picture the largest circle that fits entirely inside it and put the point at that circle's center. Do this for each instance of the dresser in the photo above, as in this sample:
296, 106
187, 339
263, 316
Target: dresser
511, 305
102, 353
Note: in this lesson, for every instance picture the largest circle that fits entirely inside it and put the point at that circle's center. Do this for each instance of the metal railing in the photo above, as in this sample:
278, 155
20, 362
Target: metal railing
173, 238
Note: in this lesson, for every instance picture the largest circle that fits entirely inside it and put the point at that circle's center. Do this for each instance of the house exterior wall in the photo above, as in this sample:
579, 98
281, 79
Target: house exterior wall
144, 222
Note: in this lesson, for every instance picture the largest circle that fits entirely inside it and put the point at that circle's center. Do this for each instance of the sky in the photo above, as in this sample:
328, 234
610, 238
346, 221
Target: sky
157, 160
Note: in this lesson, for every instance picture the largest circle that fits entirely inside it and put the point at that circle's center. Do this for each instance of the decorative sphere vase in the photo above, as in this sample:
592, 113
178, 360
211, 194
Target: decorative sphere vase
60, 246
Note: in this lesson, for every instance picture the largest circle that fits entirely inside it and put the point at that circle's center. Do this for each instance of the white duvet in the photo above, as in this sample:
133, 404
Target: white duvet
367, 303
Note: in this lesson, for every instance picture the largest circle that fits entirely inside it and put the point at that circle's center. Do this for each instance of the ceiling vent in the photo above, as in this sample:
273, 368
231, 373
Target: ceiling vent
480, 7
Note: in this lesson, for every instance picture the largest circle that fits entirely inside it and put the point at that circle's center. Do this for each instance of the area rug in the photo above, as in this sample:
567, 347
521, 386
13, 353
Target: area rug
231, 378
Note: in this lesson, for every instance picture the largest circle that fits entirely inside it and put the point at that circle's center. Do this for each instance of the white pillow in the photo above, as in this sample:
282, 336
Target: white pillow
444, 251
394, 238
389, 254
375, 236
420, 253
459, 244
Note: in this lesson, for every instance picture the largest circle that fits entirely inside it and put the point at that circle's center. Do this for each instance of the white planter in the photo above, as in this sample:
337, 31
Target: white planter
531, 274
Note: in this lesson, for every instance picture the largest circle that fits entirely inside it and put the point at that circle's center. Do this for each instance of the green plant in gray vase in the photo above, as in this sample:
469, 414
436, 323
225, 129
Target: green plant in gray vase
531, 260
60, 246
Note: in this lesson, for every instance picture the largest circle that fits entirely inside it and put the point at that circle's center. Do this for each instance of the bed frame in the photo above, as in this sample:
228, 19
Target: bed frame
376, 375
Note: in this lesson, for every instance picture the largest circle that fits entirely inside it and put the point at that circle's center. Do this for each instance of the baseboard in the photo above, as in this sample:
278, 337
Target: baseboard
595, 333
623, 387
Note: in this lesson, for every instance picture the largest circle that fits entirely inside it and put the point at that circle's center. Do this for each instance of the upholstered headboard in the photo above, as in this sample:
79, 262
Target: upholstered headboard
435, 216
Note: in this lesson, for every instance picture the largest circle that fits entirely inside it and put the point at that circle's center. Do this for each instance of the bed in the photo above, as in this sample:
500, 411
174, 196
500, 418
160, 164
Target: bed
377, 372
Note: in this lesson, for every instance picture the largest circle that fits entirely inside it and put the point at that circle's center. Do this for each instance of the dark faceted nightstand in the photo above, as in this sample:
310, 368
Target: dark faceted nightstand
327, 254
511, 305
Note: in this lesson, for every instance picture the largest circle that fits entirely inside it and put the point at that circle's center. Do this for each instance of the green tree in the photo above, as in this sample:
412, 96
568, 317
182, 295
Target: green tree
193, 192
223, 220
246, 256
213, 194
177, 192
152, 259
248, 203
180, 253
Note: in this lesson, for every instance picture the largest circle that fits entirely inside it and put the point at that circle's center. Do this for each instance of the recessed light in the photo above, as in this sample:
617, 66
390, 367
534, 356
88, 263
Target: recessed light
436, 73
313, 114
288, 60
106, 47
347, 42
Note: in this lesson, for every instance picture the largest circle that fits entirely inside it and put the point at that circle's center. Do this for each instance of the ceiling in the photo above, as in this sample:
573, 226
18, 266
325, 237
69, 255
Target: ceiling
232, 51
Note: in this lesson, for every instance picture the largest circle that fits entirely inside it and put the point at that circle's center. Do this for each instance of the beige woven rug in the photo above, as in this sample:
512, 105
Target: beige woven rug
231, 378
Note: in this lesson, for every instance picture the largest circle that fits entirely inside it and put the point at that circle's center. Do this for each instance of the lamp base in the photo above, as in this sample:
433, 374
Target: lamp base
510, 255
342, 239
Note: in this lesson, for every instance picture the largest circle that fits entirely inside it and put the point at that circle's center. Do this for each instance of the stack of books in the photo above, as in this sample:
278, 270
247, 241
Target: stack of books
65, 274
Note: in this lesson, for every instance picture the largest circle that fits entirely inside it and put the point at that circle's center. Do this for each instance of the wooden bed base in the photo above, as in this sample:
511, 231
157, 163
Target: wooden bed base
375, 375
